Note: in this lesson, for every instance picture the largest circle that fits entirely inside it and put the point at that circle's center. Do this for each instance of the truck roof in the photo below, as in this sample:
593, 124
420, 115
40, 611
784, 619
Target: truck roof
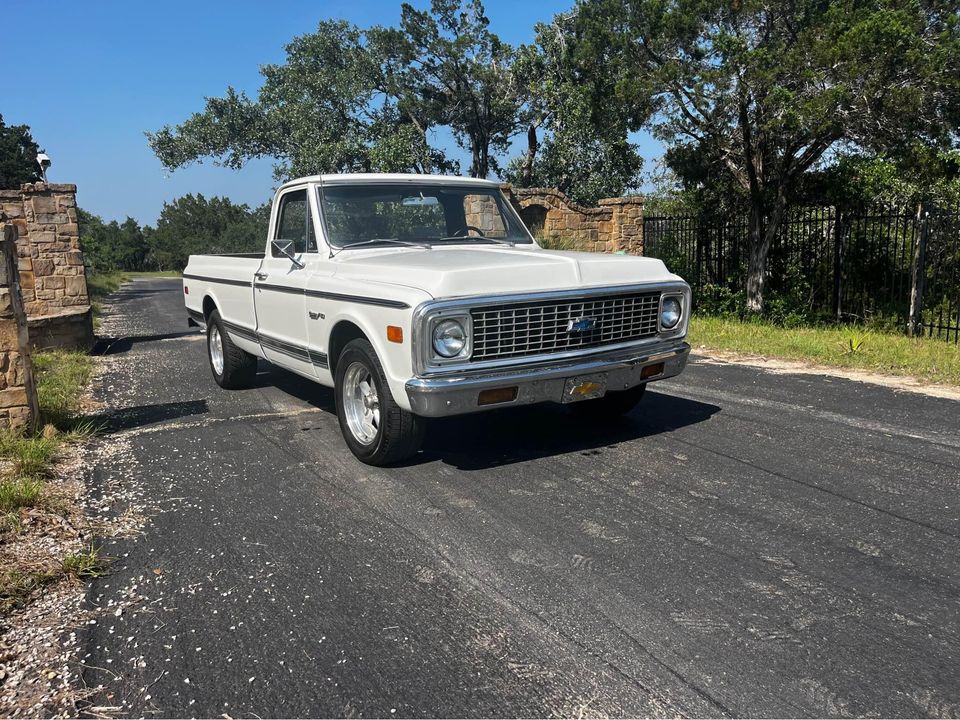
364, 178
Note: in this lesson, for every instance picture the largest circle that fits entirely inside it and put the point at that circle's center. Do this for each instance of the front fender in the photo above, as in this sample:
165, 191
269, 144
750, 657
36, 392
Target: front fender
327, 312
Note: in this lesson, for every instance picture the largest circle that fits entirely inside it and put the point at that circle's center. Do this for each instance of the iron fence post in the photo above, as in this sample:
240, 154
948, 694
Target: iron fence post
915, 324
837, 262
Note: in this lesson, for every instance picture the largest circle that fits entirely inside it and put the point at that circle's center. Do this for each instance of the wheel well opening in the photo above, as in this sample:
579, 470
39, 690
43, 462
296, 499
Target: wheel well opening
343, 332
208, 307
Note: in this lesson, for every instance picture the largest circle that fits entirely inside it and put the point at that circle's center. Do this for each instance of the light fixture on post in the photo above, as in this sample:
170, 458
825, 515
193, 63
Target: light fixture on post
44, 161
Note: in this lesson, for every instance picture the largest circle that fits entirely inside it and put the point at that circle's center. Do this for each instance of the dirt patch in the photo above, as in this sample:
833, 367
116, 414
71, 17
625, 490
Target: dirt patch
796, 367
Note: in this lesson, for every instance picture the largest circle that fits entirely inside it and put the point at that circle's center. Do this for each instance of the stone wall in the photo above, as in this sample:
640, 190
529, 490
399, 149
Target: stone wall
52, 276
18, 397
616, 225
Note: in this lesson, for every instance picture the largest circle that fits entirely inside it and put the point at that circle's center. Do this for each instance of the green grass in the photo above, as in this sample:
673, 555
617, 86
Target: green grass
927, 359
25, 459
85, 564
18, 492
62, 376
27, 456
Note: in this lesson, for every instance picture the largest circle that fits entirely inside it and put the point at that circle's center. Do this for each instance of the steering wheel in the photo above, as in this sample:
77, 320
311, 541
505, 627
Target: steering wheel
467, 228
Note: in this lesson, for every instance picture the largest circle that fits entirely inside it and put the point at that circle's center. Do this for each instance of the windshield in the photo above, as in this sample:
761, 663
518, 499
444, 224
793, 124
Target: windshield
417, 213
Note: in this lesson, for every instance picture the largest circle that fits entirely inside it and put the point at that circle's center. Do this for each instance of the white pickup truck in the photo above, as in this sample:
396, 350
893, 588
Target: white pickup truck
419, 296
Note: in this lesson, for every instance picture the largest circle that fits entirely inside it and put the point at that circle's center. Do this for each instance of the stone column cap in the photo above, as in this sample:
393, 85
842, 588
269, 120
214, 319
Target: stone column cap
48, 187
627, 200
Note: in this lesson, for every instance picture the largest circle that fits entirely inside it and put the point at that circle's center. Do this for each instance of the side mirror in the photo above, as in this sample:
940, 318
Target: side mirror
285, 248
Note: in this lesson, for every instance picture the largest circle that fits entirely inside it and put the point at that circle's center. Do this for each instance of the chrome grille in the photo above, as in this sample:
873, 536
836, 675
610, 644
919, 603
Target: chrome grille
535, 328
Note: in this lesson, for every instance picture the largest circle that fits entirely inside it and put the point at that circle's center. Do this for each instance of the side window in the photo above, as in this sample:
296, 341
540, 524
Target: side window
295, 225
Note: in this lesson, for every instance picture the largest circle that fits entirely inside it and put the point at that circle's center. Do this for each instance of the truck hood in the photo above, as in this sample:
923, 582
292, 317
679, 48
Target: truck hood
486, 270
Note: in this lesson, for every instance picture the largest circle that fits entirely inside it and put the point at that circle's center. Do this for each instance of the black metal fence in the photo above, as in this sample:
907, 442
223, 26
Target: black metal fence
879, 265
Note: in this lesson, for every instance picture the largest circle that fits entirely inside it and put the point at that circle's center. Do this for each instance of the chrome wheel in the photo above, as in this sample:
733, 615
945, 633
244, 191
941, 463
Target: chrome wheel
216, 350
361, 405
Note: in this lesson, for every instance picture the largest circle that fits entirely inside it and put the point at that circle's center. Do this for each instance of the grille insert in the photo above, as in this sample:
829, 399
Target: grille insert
538, 327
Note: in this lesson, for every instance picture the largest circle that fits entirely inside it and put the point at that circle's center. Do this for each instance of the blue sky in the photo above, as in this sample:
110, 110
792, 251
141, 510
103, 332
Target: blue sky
90, 77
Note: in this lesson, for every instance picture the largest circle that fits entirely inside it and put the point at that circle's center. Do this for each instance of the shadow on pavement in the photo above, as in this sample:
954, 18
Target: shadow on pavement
140, 415
503, 437
116, 346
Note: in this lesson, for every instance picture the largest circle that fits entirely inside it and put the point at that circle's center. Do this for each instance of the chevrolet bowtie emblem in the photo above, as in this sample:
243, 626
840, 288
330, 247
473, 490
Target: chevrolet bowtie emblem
581, 324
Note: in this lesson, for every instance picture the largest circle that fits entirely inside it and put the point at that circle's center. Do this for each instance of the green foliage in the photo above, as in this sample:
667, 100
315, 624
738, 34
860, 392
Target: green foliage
85, 564
62, 376
854, 343
584, 151
16, 493
188, 225
112, 245
753, 94
348, 99
18, 156
462, 73
194, 225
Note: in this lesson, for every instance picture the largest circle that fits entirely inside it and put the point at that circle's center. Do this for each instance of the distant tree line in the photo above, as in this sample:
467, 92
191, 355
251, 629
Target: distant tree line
189, 225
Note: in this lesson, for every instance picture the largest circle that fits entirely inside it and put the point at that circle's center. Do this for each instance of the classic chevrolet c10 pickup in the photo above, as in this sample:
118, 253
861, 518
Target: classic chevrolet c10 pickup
418, 296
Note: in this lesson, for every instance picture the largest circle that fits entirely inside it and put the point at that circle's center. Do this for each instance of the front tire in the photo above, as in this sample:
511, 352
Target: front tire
610, 406
377, 430
232, 367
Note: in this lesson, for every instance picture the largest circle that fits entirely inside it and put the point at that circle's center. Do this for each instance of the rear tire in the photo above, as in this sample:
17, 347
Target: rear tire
232, 367
377, 430
610, 406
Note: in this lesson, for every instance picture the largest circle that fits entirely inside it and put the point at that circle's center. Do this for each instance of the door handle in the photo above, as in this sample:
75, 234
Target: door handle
260, 276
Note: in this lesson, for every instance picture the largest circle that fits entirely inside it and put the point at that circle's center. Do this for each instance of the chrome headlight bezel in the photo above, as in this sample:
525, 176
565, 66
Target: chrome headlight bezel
678, 327
430, 322
450, 329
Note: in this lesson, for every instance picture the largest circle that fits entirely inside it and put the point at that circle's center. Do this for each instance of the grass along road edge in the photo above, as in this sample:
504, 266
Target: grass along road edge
916, 363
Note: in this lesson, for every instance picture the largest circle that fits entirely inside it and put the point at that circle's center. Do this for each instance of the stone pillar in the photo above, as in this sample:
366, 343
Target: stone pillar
18, 394
52, 272
627, 224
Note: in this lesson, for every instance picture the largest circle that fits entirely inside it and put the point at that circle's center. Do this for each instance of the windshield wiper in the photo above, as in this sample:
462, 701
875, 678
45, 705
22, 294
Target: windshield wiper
375, 241
475, 238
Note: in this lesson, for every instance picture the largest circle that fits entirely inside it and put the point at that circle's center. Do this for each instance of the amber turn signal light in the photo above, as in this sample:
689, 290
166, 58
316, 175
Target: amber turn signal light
394, 333
497, 395
650, 370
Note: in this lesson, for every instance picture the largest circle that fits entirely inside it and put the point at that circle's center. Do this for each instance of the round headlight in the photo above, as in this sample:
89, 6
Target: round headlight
669, 313
449, 338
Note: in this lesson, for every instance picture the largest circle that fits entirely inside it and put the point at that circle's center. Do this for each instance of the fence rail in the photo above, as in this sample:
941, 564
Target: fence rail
890, 266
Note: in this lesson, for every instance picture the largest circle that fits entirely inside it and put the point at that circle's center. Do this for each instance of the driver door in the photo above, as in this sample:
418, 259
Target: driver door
279, 284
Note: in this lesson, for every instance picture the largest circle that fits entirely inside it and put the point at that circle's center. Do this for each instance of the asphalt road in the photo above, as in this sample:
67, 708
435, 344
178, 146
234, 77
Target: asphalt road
745, 543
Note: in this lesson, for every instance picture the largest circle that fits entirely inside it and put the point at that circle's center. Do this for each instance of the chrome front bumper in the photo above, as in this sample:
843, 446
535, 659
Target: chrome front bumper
458, 394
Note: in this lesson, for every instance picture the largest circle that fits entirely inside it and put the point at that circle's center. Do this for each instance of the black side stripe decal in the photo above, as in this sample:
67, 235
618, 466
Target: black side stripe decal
238, 283
280, 289
304, 354
361, 299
